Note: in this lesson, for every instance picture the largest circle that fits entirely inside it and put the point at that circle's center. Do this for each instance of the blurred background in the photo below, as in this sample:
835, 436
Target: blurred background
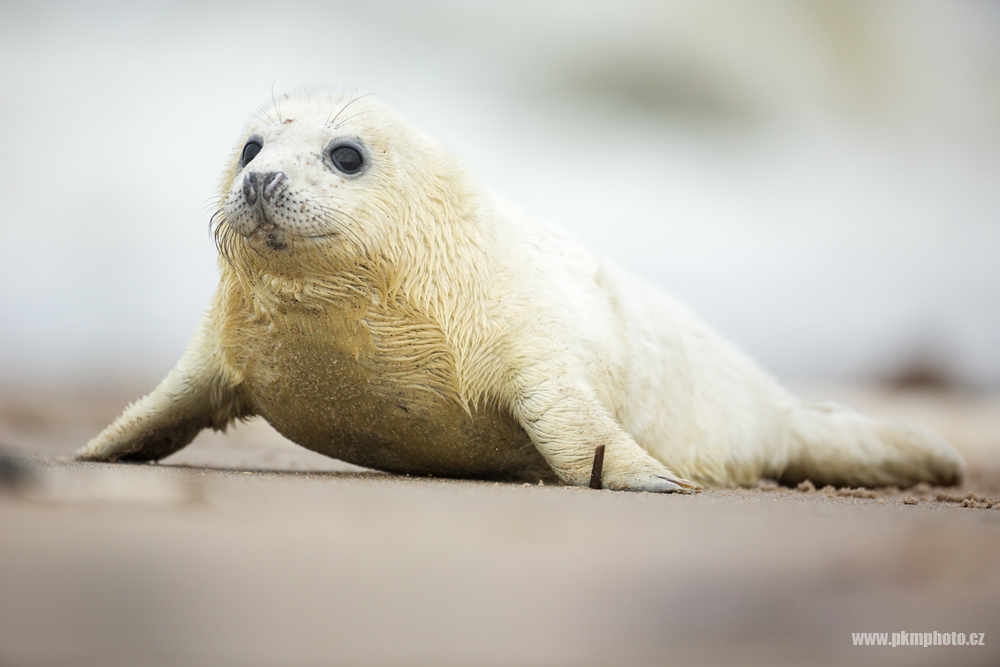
818, 179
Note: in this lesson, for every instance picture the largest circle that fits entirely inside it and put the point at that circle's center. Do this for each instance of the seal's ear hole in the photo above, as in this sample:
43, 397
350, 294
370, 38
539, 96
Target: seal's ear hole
250, 151
347, 159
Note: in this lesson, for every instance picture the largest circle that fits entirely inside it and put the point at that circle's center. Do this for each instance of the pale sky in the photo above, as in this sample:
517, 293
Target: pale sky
821, 181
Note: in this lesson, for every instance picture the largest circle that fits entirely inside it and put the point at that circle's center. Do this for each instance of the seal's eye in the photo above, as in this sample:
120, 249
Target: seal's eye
250, 151
347, 159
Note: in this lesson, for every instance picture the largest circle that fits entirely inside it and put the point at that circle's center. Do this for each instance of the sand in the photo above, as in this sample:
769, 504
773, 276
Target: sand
246, 550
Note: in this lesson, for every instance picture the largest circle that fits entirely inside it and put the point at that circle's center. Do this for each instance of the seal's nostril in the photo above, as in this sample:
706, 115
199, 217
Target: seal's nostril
250, 188
272, 182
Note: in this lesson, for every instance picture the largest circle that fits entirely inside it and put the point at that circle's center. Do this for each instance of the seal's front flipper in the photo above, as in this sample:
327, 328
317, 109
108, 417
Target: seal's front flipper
567, 422
195, 395
144, 432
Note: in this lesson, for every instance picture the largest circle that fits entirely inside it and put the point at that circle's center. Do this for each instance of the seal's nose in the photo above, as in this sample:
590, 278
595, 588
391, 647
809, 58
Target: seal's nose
256, 184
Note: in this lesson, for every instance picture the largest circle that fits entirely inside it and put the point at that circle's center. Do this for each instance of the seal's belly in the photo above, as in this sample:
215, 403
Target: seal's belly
380, 391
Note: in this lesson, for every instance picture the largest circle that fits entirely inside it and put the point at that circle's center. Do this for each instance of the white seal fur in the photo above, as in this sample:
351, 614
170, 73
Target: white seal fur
407, 318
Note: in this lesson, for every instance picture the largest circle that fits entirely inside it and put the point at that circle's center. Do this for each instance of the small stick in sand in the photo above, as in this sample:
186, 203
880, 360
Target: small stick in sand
595, 474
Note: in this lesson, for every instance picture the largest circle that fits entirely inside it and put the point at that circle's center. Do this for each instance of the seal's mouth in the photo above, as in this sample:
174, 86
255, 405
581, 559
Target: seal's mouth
277, 237
267, 232
267, 235
273, 241
257, 221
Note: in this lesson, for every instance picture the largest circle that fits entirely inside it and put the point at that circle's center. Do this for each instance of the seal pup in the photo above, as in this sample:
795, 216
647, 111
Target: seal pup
380, 305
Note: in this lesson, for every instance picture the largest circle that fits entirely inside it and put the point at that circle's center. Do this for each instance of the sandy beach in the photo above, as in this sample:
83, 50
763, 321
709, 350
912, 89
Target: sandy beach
245, 549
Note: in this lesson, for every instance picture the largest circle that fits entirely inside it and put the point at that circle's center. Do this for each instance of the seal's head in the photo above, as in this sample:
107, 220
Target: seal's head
333, 175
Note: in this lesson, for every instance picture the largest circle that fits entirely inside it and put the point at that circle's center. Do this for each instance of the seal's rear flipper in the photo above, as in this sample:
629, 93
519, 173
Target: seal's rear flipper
833, 444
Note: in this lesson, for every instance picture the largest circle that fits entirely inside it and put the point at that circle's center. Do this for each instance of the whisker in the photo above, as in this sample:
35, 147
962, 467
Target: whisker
212, 225
270, 121
330, 217
274, 102
357, 114
334, 119
211, 202
265, 122
223, 241
330, 209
